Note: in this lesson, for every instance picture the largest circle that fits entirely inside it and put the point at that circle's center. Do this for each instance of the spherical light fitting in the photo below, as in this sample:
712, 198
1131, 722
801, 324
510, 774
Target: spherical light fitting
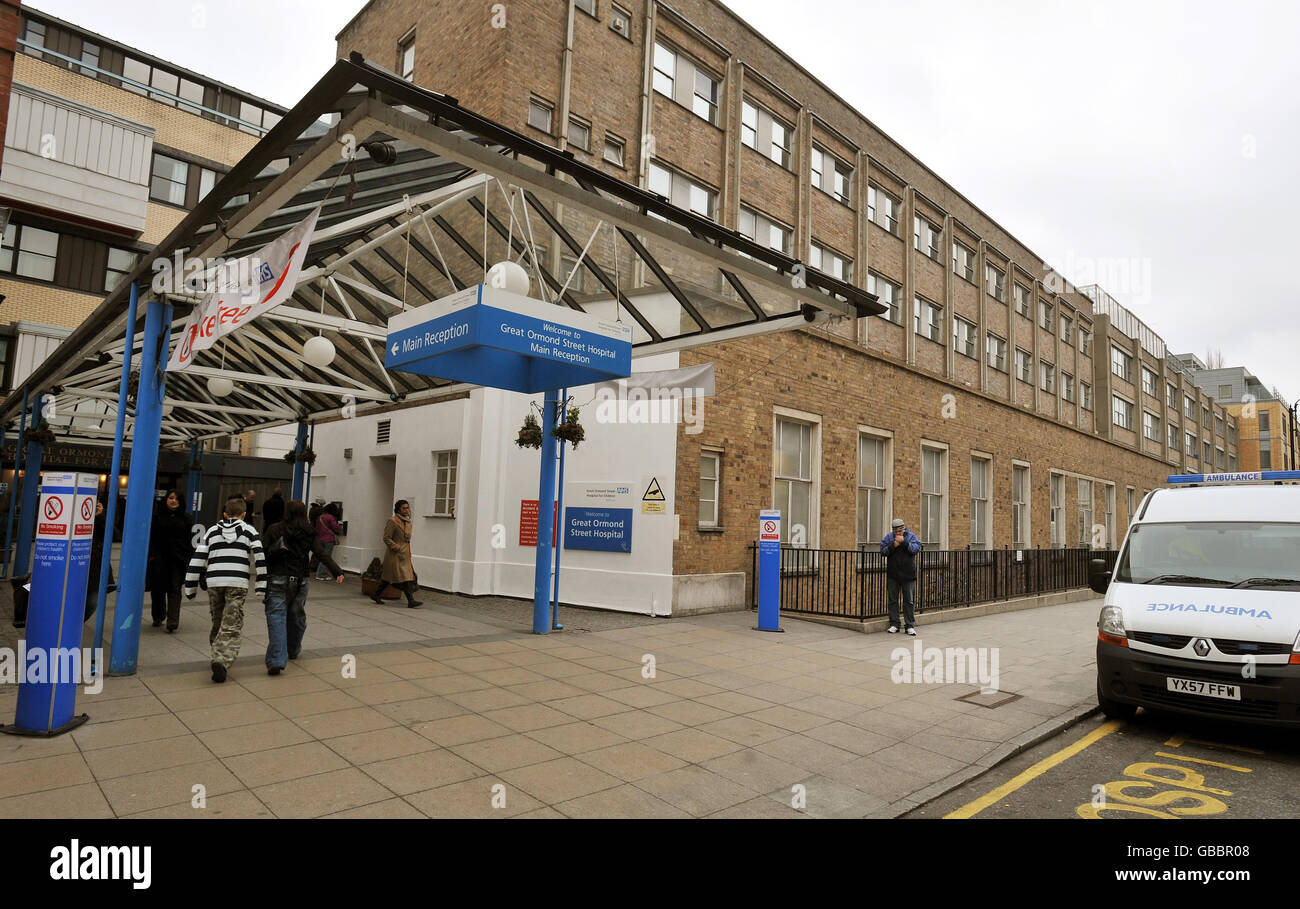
508, 276
220, 386
318, 351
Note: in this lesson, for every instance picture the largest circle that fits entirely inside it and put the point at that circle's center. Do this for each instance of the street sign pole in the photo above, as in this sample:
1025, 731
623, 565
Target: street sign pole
769, 570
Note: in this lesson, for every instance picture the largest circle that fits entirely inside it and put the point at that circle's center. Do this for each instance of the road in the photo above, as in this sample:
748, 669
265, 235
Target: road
1156, 765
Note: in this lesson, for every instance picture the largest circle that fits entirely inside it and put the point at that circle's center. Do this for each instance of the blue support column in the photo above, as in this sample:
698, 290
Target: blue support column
31, 489
125, 650
13, 493
545, 518
299, 468
110, 510
559, 510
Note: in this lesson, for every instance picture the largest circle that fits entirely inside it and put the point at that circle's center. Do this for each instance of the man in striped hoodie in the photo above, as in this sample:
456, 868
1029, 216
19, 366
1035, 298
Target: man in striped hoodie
222, 558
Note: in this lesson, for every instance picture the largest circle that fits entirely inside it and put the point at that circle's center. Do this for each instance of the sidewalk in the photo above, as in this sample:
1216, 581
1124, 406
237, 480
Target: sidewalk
455, 709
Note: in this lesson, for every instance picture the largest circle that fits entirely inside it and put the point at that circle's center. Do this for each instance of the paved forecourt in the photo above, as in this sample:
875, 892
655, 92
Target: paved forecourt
454, 710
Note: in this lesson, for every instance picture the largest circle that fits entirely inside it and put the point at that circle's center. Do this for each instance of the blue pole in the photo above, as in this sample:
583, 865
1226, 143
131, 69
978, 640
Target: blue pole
559, 510
140, 484
298, 466
31, 491
13, 493
311, 443
545, 510
110, 510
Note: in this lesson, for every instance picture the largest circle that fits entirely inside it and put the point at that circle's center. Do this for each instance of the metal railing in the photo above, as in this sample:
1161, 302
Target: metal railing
851, 583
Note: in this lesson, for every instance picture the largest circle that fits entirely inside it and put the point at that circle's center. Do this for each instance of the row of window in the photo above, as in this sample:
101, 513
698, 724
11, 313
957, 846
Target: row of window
541, 115
795, 491
87, 265
117, 67
1121, 365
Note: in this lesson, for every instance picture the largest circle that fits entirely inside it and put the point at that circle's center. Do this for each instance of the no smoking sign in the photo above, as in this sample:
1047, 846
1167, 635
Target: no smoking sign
53, 507
87, 510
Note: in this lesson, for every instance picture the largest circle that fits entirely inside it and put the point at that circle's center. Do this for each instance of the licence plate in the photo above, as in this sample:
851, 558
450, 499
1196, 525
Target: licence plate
1204, 689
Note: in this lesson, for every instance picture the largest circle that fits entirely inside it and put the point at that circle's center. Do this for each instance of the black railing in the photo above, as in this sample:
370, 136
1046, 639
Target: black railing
851, 583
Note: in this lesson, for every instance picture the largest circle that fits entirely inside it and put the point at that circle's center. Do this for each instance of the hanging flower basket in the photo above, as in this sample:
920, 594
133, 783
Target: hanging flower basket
196, 467
570, 430
306, 456
530, 434
41, 435
290, 456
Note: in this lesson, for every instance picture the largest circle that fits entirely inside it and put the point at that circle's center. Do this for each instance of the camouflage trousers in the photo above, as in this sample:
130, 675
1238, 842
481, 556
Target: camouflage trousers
227, 605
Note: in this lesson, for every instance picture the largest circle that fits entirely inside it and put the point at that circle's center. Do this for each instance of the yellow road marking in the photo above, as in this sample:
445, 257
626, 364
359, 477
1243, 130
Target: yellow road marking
1046, 764
1183, 757
1180, 739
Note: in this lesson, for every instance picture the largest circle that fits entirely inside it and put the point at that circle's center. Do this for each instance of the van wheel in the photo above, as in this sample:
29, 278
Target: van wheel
1114, 709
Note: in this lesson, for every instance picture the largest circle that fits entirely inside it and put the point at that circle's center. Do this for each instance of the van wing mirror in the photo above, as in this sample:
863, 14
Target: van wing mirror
1098, 576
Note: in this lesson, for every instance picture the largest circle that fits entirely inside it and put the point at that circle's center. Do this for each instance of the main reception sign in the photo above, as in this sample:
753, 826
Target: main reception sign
488, 336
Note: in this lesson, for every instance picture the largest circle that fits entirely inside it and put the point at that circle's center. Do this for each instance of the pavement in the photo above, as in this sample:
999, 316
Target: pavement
456, 710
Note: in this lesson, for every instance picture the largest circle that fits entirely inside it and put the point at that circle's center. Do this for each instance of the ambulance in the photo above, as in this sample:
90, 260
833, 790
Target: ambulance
1202, 608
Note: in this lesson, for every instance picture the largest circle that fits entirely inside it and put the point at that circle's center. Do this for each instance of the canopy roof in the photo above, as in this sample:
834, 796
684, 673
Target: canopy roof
419, 196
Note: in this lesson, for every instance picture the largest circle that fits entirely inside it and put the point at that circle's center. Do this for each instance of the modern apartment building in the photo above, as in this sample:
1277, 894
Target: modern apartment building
1265, 422
992, 405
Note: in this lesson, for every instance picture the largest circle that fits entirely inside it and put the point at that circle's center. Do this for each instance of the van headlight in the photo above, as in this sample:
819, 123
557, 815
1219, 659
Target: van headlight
1112, 622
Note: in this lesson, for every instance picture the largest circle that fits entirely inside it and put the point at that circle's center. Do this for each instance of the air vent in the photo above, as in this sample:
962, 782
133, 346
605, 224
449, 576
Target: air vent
383, 432
347, 454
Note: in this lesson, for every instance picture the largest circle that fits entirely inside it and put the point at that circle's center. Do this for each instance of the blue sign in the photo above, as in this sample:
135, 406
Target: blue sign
769, 570
601, 529
64, 533
491, 337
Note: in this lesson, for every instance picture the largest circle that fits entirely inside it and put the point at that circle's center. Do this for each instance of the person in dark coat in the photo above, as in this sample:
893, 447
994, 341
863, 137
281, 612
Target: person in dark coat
899, 547
169, 557
273, 510
398, 568
96, 560
289, 546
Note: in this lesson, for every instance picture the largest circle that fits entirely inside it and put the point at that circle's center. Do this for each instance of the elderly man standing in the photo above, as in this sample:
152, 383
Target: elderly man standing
899, 548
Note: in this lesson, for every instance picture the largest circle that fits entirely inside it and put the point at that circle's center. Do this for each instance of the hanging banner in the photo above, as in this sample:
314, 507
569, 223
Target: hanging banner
275, 268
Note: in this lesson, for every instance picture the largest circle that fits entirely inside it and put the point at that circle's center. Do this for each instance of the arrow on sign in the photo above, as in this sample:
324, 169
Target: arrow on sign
394, 348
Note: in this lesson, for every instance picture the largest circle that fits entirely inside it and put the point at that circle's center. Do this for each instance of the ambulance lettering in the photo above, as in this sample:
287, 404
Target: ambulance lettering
1209, 607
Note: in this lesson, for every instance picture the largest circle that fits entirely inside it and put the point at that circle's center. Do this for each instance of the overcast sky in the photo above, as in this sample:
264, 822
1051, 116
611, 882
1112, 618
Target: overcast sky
1150, 147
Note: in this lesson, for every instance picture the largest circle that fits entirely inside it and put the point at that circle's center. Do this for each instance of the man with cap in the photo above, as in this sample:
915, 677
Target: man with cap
899, 548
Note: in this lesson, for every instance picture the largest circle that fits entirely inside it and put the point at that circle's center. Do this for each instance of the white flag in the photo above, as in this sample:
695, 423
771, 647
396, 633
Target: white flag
218, 314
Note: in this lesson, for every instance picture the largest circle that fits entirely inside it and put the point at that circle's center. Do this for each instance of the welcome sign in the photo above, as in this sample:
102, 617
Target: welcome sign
488, 336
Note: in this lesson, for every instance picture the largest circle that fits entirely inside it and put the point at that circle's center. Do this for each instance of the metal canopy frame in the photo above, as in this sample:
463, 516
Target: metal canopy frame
394, 166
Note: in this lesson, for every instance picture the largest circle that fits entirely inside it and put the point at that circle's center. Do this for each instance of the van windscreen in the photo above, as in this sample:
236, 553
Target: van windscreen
1220, 554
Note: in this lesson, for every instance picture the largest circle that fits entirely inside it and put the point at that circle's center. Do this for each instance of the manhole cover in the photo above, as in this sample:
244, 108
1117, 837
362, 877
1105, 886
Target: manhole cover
990, 699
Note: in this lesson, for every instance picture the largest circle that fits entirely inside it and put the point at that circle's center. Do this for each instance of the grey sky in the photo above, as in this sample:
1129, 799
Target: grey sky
1148, 146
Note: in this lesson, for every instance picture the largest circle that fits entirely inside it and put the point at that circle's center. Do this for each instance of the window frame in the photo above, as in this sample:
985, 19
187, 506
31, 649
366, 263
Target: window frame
940, 449
934, 322
986, 460
886, 468
1018, 517
967, 273
891, 213
450, 483
536, 102
404, 46
994, 359
813, 423
714, 455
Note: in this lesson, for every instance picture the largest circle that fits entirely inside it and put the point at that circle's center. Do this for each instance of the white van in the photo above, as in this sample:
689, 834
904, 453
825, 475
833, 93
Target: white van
1202, 611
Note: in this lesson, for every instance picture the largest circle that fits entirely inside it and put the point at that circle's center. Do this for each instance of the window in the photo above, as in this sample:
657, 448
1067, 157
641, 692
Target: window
35, 36
996, 350
36, 251
1148, 382
749, 125
1150, 426
831, 175
710, 476
1172, 434
1121, 364
1232, 433
1058, 509
540, 114
90, 57
934, 480
995, 282
207, 180
587, 6
252, 114
1067, 387
1047, 377
1232, 462
1171, 397
1022, 298
793, 486
120, 263
873, 488
963, 337
444, 484
678, 77
883, 209
1020, 506
1024, 366
579, 134
1108, 515
1085, 396
963, 261
1130, 501
779, 150
681, 190
1189, 407
406, 57
137, 72
829, 262
1067, 330
170, 177
1045, 313
1205, 415
888, 293
620, 20
1085, 341
765, 231
191, 91
981, 514
167, 85
1218, 459
818, 167
613, 152
1264, 422
1189, 446
927, 319
1207, 453
569, 265
1265, 455
1218, 425
1121, 412
1225, 392
927, 237
1085, 512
